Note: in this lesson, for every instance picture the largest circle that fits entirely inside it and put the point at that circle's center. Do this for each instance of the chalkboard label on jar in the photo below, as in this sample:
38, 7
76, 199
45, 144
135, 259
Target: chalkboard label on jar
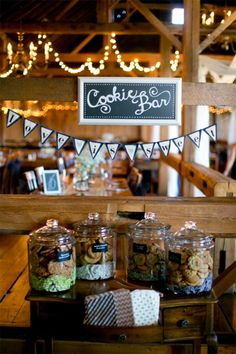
99, 247
140, 248
175, 257
63, 256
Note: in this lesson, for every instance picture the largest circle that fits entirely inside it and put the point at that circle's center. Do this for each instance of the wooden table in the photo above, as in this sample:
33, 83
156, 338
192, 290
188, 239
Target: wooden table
99, 187
60, 316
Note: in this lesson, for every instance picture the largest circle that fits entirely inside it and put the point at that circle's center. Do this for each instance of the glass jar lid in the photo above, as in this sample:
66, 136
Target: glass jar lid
92, 226
150, 225
189, 234
53, 233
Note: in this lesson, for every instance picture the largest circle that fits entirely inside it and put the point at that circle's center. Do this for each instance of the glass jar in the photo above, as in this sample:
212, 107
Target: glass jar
146, 251
52, 258
95, 249
190, 261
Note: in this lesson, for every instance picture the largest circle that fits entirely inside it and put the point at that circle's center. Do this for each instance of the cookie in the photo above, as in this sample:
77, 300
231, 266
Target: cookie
194, 262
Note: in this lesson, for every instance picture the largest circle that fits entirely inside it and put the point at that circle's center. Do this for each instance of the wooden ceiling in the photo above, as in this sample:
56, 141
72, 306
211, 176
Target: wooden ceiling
79, 29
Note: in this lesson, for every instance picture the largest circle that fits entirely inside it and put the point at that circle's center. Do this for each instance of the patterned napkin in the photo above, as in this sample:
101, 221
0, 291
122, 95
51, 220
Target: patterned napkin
122, 308
112, 308
146, 304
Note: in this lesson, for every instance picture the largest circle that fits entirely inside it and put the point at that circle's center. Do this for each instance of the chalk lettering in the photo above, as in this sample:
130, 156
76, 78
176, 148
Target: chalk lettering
144, 100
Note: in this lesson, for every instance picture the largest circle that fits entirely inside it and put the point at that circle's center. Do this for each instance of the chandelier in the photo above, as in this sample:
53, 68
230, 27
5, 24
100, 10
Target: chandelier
20, 63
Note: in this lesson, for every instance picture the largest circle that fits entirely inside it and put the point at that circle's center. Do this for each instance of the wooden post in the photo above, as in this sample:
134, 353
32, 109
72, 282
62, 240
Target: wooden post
165, 71
190, 73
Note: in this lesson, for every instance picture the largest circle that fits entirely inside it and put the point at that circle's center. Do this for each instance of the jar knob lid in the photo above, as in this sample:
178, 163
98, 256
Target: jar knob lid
52, 223
149, 215
190, 225
93, 216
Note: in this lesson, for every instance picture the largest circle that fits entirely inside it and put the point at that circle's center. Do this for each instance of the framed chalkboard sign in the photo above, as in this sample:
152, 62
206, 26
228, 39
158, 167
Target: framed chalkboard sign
51, 182
129, 101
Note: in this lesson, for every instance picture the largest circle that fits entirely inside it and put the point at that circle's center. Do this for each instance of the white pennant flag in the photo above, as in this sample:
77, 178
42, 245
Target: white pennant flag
28, 126
165, 146
12, 117
94, 148
211, 131
79, 145
45, 134
195, 137
179, 143
131, 150
148, 149
112, 149
61, 140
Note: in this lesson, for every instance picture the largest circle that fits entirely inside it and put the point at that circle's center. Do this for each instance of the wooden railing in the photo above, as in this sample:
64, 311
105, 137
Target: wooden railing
210, 182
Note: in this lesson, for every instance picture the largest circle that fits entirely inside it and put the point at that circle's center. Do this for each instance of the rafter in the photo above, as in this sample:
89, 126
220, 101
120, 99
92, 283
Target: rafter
82, 44
156, 23
217, 32
67, 8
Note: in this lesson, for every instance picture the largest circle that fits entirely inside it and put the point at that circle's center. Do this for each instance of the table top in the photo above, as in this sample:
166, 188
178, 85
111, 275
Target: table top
98, 187
83, 288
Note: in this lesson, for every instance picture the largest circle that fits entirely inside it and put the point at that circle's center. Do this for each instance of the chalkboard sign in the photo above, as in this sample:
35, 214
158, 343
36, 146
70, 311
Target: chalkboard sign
129, 101
51, 182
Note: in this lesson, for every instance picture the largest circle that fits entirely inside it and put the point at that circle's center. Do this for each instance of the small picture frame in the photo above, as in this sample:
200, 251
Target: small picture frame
51, 182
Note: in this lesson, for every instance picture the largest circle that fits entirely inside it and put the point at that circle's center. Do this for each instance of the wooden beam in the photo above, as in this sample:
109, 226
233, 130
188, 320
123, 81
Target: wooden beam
193, 94
123, 28
210, 182
156, 23
214, 215
84, 28
210, 38
190, 74
66, 9
82, 44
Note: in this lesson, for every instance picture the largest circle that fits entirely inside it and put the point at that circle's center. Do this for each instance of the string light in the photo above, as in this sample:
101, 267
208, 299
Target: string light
45, 108
219, 111
88, 64
73, 106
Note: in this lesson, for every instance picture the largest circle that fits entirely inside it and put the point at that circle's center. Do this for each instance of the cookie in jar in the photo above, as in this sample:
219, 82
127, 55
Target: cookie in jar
95, 249
52, 258
190, 261
146, 250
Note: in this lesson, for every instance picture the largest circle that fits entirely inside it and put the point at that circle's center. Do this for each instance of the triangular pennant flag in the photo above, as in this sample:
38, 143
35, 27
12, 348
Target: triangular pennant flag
195, 137
45, 134
179, 143
148, 149
12, 117
112, 149
29, 126
165, 146
131, 150
94, 148
61, 139
211, 131
79, 145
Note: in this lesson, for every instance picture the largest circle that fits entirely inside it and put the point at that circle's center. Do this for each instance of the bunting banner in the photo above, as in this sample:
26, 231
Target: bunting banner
61, 140
45, 133
28, 127
112, 147
12, 117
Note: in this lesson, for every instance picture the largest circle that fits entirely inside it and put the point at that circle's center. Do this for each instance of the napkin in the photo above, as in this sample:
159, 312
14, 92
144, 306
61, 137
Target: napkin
112, 308
146, 305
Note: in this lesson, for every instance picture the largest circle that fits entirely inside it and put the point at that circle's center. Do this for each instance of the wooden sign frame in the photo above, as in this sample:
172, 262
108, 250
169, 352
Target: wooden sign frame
129, 101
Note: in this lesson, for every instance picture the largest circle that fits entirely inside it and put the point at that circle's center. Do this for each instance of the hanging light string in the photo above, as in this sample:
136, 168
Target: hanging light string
73, 106
88, 64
